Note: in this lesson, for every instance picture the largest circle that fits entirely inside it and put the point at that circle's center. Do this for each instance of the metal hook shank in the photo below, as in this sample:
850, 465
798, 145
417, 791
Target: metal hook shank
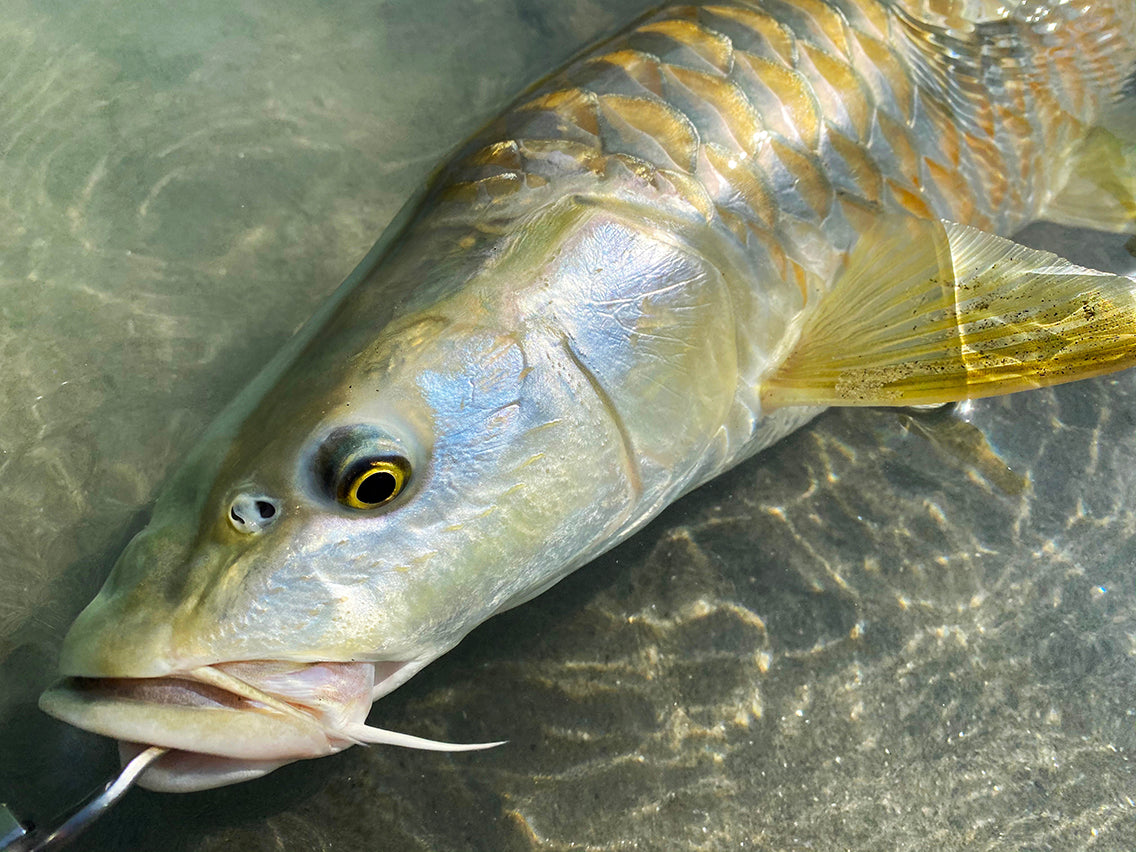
19, 840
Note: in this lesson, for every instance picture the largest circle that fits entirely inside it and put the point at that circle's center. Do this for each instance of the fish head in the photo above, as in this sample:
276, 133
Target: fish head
365, 507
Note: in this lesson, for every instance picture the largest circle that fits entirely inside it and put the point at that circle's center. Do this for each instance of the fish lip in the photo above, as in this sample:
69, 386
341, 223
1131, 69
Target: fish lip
231, 722
187, 771
213, 710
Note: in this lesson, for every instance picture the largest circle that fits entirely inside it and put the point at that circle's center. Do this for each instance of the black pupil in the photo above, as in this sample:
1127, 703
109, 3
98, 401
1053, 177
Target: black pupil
375, 488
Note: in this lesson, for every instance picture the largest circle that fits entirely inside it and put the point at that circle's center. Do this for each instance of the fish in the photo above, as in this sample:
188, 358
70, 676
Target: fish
660, 261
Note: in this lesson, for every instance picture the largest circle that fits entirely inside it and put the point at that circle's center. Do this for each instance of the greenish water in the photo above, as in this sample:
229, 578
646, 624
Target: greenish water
886, 633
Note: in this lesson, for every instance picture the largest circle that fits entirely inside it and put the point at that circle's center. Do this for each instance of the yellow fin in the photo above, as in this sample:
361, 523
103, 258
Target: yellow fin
1101, 191
928, 312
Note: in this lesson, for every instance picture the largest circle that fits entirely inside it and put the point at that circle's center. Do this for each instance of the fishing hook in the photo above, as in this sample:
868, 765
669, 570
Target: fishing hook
18, 837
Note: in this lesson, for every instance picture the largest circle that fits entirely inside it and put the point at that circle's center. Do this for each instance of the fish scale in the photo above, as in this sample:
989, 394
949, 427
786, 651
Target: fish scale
806, 108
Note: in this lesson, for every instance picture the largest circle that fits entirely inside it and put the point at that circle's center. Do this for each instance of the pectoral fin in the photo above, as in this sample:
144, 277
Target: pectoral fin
929, 312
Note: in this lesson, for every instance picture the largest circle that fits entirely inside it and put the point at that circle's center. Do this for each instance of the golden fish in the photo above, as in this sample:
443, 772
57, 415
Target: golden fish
659, 262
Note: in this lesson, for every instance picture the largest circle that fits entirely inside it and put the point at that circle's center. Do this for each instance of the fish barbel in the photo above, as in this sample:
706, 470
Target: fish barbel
657, 263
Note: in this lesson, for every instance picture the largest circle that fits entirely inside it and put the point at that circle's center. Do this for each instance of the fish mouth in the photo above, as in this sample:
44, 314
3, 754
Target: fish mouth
231, 722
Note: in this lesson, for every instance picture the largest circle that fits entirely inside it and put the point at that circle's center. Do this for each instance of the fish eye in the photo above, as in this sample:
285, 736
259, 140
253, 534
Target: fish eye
372, 482
361, 467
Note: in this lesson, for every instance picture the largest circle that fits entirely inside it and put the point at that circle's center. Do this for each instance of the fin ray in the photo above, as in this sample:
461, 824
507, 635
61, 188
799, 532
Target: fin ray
928, 312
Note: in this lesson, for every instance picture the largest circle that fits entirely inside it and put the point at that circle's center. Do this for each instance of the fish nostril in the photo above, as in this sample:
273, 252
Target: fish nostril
252, 513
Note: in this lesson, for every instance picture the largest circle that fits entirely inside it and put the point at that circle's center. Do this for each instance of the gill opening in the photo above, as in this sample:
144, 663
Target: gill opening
627, 447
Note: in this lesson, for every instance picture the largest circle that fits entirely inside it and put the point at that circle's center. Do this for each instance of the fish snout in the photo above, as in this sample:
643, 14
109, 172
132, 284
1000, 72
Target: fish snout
225, 722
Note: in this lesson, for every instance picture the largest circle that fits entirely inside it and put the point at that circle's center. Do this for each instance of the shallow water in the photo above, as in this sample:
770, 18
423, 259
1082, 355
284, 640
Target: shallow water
889, 632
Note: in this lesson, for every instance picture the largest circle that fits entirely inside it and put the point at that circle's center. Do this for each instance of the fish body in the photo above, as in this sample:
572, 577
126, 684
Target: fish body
659, 262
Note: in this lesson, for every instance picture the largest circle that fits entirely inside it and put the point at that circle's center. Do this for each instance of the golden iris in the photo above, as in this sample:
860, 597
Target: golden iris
370, 483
